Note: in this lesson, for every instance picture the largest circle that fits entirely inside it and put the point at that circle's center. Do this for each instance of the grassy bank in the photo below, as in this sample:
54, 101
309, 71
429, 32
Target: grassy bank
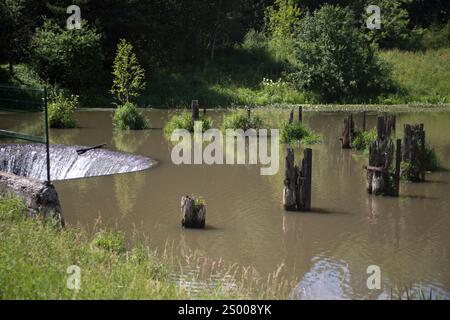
422, 76
35, 255
243, 78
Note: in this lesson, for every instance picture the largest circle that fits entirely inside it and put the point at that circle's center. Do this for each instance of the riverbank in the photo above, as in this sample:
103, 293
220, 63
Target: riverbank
422, 78
35, 257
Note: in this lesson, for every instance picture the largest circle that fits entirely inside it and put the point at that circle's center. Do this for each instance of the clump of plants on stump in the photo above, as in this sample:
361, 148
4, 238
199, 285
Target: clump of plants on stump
363, 139
297, 131
61, 111
184, 121
129, 81
240, 119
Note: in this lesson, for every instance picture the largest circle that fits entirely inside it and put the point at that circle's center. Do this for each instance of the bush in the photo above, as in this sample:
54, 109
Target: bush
128, 117
61, 111
239, 120
363, 139
431, 159
72, 58
110, 241
333, 59
184, 121
297, 132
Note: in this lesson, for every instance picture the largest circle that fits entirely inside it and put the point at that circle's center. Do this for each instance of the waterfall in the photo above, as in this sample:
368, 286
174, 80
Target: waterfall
29, 160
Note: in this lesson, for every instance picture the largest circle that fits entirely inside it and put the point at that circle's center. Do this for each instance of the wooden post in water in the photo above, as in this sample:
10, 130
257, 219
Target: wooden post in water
291, 116
249, 112
304, 182
414, 153
381, 153
348, 132
398, 161
192, 213
300, 114
363, 126
298, 182
290, 182
195, 110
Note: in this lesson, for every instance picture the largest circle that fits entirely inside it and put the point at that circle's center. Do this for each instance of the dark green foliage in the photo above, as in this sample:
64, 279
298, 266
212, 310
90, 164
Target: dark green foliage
363, 139
333, 59
431, 159
128, 117
71, 58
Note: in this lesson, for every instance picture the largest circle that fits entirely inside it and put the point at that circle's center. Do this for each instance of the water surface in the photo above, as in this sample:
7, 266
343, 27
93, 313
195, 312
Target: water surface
326, 251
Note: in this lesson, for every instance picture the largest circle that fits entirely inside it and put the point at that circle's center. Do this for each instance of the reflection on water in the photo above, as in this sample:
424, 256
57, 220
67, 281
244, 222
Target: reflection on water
326, 252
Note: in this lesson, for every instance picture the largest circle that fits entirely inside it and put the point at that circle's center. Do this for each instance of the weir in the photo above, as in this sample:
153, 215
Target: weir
29, 160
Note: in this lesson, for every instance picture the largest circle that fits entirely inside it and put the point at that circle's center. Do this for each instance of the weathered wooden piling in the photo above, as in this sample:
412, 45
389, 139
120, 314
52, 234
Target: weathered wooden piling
300, 114
348, 132
297, 183
380, 179
363, 125
398, 161
414, 152
195, 110
291, 116
249, 112
192, 213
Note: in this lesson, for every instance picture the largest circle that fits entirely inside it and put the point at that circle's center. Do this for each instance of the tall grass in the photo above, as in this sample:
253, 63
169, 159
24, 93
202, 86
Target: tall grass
423, 76
35, 255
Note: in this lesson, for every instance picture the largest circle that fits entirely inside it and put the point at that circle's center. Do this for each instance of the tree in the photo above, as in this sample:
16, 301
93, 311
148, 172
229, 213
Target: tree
18, 19
129, 76
71, 58
282, 20
333, 59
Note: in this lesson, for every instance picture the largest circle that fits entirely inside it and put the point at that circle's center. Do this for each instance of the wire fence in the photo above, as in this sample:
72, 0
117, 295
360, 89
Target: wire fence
27, 100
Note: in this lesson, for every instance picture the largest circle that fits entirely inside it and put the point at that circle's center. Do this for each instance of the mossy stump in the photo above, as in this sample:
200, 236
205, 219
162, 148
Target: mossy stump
383, 175
414, 153
348, 132
192, 213
297, 182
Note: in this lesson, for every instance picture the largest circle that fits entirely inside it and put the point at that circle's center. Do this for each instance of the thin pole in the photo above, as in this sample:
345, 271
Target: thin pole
47, 142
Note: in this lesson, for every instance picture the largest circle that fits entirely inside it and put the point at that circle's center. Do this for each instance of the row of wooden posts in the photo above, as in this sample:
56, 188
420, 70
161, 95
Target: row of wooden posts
383, 170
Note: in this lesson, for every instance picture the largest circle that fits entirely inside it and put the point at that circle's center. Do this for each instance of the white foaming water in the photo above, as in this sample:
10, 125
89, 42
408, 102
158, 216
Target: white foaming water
29, 160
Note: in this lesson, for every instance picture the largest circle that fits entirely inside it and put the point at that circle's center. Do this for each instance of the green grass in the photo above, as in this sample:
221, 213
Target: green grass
423, 76
239, 119
35, 255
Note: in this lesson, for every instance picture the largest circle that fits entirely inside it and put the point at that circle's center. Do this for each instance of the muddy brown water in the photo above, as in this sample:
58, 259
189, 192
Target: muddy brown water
326, 252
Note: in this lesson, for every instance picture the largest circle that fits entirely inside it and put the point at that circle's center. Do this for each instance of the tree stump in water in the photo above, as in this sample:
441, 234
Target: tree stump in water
192, 213
380, 179
297, 183
414, 153
363, 126
348, 132
300, 114
291, 116
195, 111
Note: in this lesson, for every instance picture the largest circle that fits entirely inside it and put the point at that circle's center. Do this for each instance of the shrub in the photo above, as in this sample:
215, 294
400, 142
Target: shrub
128, 117
431, 159
297, 132
333, 59
239, 120
110, 241
129, 76
61, 111
363, 139
72, 58
184, 121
